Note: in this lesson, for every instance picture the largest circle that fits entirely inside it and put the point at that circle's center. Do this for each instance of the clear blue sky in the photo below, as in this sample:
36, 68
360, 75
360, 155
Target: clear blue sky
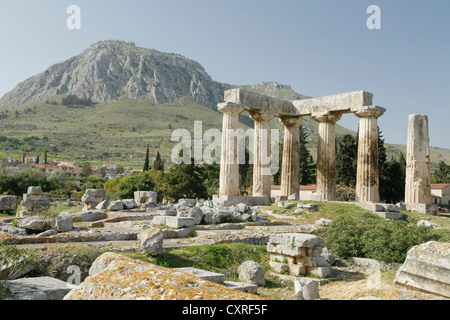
318, 47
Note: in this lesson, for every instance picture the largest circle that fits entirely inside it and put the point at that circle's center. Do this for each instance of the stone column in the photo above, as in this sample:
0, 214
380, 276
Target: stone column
418, 175
291, 156
229, 166
261, 154
367, 181
326, 155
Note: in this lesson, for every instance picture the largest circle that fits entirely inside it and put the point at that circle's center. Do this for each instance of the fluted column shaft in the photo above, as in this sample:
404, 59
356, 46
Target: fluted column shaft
229, 165
326, 155
367, 180
261, 154
291, 156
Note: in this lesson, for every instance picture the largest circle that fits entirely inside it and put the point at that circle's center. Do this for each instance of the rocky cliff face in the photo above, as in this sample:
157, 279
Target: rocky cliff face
111, 69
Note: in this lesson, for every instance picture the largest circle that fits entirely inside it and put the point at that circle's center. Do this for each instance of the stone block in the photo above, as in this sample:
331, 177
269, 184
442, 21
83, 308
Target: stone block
129, 204
242, 286
89, 216
294, 196
115, 205
252, 272
321, 271
179, 222
294, 240
145, 197
279, 267
39, 288
204, 274
308, 287
426, 269
173, 222
8, 203
171, 213
151, 240
64, 222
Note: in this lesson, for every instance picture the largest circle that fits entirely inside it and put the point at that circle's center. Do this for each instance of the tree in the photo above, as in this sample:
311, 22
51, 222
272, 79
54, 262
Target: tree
86, 169
384, 180
185, 181
346, 161
45, 157
307, 171
245, 174
147, 160
158, 164
393, 178
139, 182
442, 173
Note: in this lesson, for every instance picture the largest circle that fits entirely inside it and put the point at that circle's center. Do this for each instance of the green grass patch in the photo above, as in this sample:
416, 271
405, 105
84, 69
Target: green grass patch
224, 258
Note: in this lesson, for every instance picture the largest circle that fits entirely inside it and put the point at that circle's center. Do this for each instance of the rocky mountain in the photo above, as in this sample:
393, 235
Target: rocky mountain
111, 69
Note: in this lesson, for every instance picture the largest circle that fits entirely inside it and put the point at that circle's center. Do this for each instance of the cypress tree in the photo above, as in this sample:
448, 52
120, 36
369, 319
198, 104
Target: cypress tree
346, 160
146, 162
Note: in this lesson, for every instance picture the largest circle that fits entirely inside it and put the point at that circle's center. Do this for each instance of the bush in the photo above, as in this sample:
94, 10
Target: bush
139, 182
370, 237
343, 236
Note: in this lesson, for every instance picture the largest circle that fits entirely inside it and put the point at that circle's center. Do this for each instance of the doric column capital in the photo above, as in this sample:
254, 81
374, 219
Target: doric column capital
291, 121
230, 107
260, 116
368, 111
327, 116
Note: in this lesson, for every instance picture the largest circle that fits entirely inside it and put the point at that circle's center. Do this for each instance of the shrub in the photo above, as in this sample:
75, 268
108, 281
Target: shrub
371, 237
389, 241
343, 236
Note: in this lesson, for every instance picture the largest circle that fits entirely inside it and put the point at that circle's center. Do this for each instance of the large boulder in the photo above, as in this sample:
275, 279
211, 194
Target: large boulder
251, 271
117, 277
427, 269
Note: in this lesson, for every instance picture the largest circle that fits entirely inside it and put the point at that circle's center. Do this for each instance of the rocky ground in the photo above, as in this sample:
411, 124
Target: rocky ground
117, 231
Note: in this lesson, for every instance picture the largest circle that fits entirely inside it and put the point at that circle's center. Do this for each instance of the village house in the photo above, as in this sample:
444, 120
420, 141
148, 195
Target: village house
440, 193
110, 166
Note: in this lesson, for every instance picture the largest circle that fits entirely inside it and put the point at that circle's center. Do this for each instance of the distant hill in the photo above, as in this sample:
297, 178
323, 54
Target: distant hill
112, 69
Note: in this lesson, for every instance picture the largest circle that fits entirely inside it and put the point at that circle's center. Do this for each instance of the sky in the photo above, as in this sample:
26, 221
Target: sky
318, 47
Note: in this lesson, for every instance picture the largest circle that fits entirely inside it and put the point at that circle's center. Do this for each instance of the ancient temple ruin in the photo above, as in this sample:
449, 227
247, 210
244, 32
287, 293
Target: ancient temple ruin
327, 111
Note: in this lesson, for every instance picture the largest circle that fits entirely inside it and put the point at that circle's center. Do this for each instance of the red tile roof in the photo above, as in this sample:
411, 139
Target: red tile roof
439, 185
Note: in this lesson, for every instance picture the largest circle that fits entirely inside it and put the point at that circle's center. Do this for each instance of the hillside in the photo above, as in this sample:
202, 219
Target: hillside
140, 97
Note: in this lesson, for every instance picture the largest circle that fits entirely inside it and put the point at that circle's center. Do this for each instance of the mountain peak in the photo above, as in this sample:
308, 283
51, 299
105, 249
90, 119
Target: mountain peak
111, 69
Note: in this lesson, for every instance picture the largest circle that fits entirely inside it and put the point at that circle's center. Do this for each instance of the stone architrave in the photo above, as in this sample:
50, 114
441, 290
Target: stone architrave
261, 154
291, 156
418, 175
367, 180
229, 164
326, 155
